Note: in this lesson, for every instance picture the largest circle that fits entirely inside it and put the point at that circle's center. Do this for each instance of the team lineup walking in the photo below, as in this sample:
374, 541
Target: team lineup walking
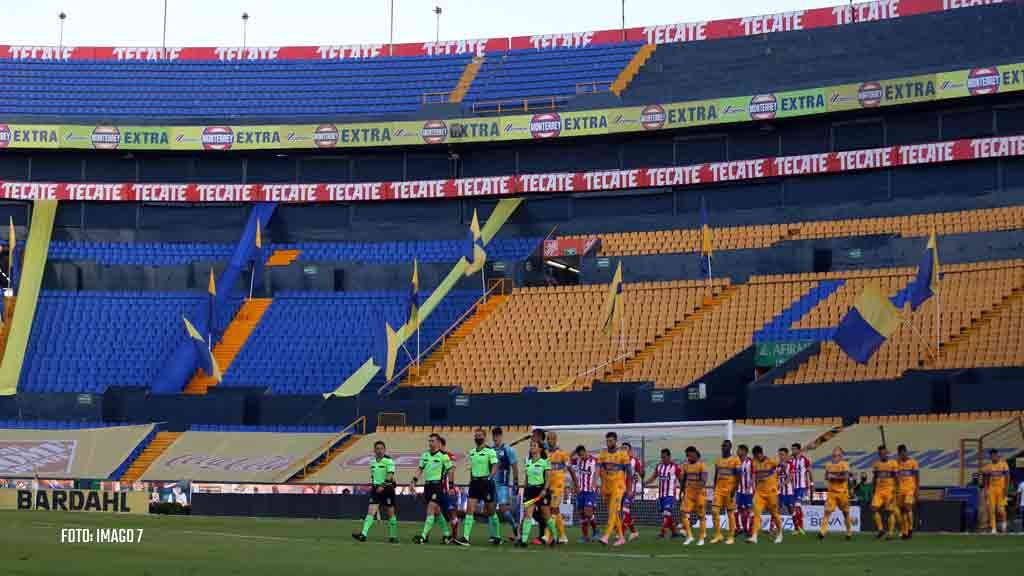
743, 492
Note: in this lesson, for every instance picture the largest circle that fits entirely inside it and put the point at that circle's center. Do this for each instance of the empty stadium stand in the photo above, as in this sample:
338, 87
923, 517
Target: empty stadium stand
87, 341
308, 342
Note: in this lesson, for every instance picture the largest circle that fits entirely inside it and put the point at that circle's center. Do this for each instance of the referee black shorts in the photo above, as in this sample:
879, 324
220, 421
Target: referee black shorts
432, 492
386, 497
532, 492
481, 490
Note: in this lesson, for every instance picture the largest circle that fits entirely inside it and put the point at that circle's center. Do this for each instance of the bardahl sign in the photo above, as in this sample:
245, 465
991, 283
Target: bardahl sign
75, 501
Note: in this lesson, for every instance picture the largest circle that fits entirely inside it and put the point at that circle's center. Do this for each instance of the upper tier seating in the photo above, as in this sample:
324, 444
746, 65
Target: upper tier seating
171, 253
740, 237
546, 79
225, 90
87, 341
310, 342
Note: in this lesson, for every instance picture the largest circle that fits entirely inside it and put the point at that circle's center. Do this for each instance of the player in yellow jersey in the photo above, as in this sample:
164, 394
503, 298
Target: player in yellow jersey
766, 494
994, 477
559, 461
727, 474
695, 478
885, 472
909, 475
613, 463
837, 480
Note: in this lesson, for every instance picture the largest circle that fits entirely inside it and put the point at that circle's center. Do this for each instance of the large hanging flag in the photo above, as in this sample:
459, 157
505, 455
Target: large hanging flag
475, 253
258, 259
867, 325
392, 356
206, 360
612, 312
926, 284
413, 302
705, 241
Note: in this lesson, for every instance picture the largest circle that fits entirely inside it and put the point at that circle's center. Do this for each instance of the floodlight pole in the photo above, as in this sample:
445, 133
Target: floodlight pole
437, 31
60, 40
245, 31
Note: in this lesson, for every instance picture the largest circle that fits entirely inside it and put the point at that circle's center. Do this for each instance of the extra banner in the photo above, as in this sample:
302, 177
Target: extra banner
974, 82
75, 501
549, 183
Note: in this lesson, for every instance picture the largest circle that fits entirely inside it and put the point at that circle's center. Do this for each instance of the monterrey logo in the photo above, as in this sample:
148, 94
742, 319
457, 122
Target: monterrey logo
981, 81
870, 94
325, 136
546, 125
652, 117
763, 107
5, 135
218, 138
105, 137
434, 131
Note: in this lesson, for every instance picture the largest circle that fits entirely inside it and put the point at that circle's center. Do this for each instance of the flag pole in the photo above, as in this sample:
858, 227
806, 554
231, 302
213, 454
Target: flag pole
252, 277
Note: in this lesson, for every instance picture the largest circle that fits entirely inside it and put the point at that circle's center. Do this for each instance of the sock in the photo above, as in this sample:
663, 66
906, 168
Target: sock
495, 525
908, 521
686, 526
552, 528
703, 521
560, 525
824, 522
879, 526
755, 523
627, 521
393, 527
427, 525
894, 520
446, 530
778, 522
585, 528
798, 517
666, 524
593, 525
849, 522
467, 526
508, 517
367, 522
527, 528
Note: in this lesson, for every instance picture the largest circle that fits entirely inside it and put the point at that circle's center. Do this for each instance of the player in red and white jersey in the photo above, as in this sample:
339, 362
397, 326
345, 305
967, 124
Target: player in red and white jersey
745, 490
782, 472
634, 484
667, 474
583, 469
803, 481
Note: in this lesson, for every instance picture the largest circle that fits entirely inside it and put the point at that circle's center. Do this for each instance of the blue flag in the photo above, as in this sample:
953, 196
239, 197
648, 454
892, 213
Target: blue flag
867, 325
926, 284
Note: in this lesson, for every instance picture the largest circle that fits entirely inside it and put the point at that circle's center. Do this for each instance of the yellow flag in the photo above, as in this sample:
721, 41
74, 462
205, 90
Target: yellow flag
612, 313
393, 344
259, 236
477, 255
212, 286
206, 359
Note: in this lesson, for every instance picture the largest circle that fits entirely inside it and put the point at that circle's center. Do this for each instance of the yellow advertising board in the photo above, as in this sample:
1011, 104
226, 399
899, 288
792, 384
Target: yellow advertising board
75, 501
74, 453
540, 125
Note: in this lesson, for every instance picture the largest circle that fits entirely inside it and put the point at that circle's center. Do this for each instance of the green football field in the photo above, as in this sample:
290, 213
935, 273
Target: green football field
31, 544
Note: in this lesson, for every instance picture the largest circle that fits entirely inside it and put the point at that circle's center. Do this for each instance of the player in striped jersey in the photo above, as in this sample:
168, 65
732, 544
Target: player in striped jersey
783, 472
584, 477
745, 490
667, 474
802, 480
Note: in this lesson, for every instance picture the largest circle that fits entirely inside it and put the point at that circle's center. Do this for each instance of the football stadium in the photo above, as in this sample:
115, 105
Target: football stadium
724, 296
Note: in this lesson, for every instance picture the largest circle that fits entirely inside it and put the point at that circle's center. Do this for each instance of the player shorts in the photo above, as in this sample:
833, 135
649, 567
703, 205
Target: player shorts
667, 504
586, 500
883, 500
766, 501
385, 497
627, 501
556, 496
503, 494
744, 500
451, 501
834, 500
787, 500
905, 499
997, 499
481, 489
724, 500
432, 492
532, 492
799, 494
693, 503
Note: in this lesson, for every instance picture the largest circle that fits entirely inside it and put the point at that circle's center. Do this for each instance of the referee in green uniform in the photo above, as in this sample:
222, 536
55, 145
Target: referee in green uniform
483, 465
382, 495
434, 466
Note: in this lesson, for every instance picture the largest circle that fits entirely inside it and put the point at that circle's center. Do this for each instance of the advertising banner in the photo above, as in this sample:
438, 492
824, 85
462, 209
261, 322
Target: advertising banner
544, 125
75, 501
71, 453
549, 183
772, 354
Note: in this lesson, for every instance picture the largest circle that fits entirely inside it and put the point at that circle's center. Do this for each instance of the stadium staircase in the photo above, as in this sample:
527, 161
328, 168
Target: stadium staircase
282, 257
466, 80
161, 442
235, 336
632, 68
452, 341
721, 294
322, 462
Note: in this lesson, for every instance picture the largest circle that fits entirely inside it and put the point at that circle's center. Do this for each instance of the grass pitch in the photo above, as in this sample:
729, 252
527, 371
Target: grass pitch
31, 545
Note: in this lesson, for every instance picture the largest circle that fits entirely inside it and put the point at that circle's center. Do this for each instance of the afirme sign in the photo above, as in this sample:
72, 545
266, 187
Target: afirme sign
75, 501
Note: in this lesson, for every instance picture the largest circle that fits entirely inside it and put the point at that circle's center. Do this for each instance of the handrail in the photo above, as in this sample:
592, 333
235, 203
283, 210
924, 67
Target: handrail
442, 97
387, 388
519, 104
325, 447
596, 86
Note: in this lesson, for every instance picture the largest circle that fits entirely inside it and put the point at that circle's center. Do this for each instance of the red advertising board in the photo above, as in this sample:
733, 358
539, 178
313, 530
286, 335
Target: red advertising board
555, 247
663, 34
494, 186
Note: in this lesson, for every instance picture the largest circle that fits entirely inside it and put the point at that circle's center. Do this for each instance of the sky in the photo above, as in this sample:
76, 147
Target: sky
317, 22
